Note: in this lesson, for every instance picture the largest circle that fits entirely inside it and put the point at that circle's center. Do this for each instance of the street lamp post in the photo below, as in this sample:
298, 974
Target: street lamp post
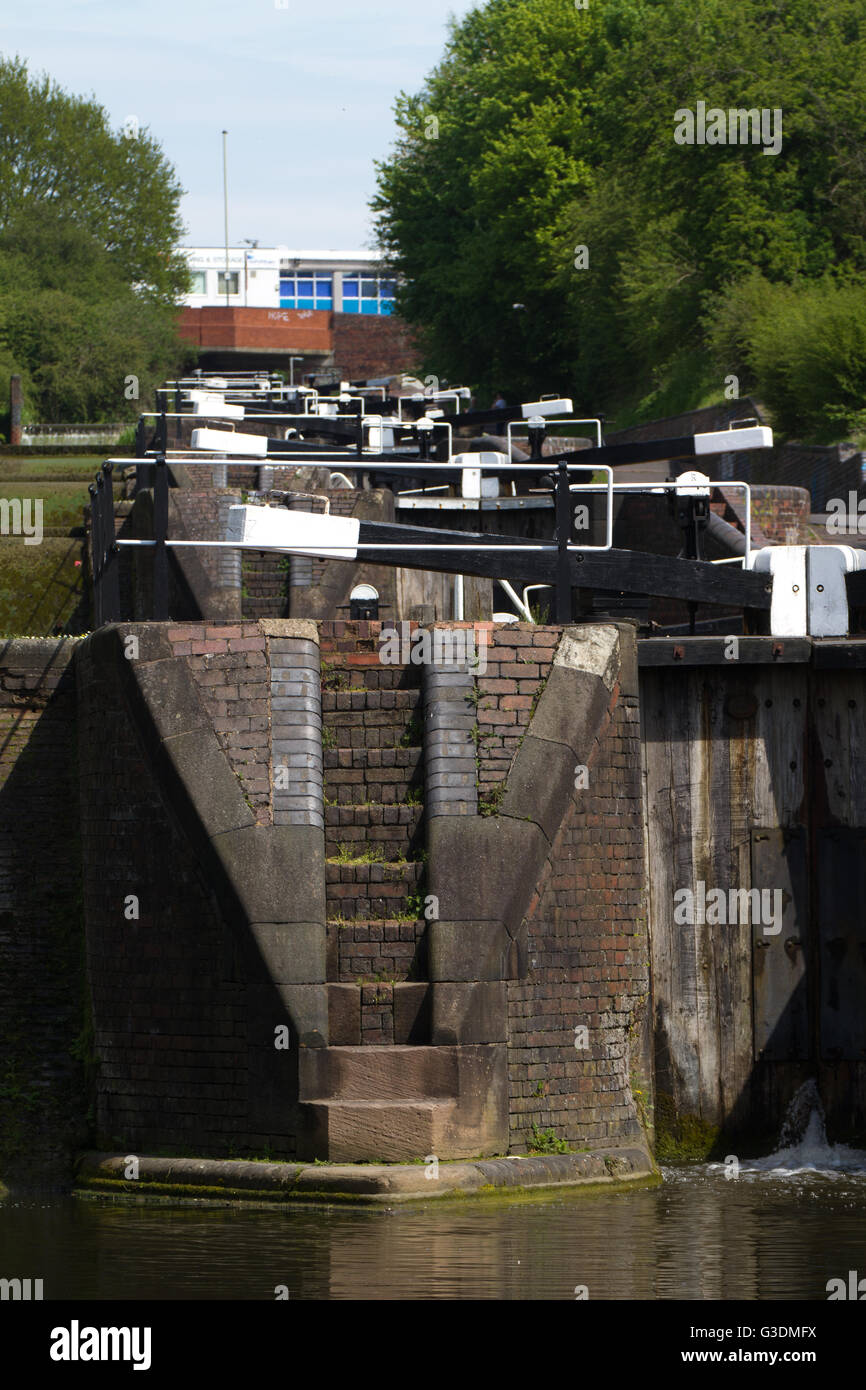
226, 212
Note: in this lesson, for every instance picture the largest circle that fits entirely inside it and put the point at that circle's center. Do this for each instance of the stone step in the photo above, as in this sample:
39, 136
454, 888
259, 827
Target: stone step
366, 674
379, 729
400, 1103
397, 1131
374, 759
386, 701
386, 776
347, 787
386, 1073
383, 949
374, 892
379, 873
395, 827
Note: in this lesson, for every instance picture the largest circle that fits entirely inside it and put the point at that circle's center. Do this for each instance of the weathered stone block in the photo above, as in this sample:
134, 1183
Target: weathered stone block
466, 951
469, 1013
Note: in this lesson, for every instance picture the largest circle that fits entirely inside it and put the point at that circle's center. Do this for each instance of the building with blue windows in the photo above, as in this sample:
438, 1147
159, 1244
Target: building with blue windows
254, 277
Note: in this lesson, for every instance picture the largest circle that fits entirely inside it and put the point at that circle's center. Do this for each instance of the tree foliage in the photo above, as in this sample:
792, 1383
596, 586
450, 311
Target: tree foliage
805, 343
547, 127
89, 271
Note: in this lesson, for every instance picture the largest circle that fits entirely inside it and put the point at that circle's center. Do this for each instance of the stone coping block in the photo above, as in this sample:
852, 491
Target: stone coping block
208, 1180
290, 627
36, 653
491, 860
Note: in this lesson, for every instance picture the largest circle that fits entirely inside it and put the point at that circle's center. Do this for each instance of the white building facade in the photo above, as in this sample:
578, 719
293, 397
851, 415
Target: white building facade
347, 282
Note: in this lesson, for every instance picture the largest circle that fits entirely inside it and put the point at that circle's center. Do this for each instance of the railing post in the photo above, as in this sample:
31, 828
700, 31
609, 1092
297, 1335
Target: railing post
160, 532
111, 594
96, 551
425, 439
536, 438
563, 532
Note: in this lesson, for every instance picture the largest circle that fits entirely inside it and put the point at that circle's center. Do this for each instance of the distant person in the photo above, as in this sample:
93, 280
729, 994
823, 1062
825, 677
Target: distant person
500, 403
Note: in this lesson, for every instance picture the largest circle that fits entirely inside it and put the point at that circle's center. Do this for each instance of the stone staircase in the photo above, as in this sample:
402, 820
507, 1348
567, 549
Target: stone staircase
380, 1091
397, 1104
373, 774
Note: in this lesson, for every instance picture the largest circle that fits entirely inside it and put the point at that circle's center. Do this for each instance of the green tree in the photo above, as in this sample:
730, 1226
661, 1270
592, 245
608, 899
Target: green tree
803, 344
89, 271
59, 151
554, 130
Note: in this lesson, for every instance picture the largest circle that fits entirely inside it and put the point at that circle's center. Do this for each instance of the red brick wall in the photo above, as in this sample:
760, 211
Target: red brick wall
368, 345
230, 666
519, 658
288, 330
781, 513
588, 961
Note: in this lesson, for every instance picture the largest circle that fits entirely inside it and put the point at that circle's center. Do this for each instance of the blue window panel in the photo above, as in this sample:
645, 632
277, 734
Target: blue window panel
286, 303
324, 303
369, 306
324, 286
387, 288
305, 287
369, 289
350, 306
350, 288
386, 306
287, 287
306, 303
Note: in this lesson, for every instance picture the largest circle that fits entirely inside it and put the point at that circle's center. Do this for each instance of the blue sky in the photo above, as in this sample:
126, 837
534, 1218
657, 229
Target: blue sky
306, 93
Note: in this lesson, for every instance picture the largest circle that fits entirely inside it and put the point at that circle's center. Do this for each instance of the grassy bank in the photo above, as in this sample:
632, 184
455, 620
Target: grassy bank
42, 586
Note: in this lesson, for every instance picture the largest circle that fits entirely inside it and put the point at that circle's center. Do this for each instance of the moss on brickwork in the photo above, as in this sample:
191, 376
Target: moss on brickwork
682, 1138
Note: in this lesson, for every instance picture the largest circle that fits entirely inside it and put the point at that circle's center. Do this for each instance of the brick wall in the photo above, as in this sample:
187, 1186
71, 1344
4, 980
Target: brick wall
167, 981
230, 666
825, 471
264, 584
780, 514
366, 950
367, 345
587, 961
166, 990
202, 515
519, 657
286, 330
42, 1014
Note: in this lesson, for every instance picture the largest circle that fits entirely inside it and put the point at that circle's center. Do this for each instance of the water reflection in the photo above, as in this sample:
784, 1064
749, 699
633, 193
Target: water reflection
698, 1236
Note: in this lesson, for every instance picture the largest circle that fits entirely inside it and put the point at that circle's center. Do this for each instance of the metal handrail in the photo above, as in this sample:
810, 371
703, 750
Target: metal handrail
556, 420
106, 545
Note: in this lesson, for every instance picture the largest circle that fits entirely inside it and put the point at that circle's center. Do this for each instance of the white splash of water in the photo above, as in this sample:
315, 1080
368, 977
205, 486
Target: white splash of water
803, 1143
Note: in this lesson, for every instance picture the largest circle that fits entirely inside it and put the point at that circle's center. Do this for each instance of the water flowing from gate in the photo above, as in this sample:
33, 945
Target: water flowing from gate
803, 1144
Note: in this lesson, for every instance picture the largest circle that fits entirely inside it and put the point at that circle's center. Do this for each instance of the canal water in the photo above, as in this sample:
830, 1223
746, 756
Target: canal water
779, 1228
